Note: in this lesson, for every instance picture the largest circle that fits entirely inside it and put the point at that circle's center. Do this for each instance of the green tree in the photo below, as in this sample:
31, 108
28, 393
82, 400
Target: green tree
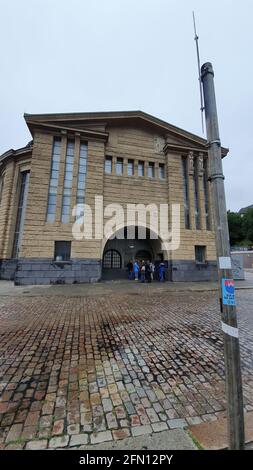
235, 228
247, 225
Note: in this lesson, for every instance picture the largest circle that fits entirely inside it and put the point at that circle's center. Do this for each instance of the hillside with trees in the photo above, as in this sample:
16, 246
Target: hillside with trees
241, 228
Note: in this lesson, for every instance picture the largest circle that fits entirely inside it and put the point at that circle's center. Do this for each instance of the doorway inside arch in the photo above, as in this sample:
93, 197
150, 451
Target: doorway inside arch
119, 251
143, 255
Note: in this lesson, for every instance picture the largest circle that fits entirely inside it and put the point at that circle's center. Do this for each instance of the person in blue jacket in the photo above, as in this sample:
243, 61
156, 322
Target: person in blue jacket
162, 272
136, 270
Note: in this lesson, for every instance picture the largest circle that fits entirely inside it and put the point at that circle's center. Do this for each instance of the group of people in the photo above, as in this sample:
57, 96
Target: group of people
145, 271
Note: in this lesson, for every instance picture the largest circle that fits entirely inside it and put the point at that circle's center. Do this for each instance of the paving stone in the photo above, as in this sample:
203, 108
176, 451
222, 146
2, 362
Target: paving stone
14, 432
59, 441
111, 420
153, 416
107, 404
29, 432
45, 421
135, 420
194, 420
73, 429
140, 430
44, 432
48, 408
99, 437
37, 445
160, 426
176, 423
15, 446
144, 419
130, 408
58, 427
116, 399
120, 412
120, 433
79, 439
32, 418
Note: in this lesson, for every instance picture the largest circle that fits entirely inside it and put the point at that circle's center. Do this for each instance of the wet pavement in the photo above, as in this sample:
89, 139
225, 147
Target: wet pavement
90, 369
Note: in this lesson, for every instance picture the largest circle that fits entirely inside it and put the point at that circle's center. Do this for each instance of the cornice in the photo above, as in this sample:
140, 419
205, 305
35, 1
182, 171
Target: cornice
90, 134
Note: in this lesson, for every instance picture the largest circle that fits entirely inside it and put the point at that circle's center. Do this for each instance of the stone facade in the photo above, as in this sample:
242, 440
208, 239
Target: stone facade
133, 136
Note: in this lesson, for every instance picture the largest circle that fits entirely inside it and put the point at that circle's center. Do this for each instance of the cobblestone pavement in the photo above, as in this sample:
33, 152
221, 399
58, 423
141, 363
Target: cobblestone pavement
85, 370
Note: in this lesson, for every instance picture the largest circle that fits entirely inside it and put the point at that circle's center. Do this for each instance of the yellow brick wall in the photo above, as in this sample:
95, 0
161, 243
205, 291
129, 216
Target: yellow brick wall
126, 142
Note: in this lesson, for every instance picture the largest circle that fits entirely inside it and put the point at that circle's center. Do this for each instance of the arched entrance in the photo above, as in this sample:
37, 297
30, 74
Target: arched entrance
119, 251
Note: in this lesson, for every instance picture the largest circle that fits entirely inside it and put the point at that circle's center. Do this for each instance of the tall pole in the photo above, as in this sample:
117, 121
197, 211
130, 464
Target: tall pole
226, 283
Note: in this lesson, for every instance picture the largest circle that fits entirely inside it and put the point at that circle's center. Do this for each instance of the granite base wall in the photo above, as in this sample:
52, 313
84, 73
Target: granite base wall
190, 271
46, 271
7, 269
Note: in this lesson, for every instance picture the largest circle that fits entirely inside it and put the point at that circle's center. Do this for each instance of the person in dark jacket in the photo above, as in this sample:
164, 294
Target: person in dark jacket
148, 271
130, 270
143, 269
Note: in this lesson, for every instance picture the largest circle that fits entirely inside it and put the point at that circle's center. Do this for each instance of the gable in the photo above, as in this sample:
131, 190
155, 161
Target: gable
97, 125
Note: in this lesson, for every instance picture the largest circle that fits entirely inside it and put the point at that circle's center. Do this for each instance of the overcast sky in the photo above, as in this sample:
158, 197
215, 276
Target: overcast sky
100, 55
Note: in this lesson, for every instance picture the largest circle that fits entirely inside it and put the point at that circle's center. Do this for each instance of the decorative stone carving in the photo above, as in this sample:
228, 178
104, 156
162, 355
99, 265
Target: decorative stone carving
159, 143
201, 164
191, 163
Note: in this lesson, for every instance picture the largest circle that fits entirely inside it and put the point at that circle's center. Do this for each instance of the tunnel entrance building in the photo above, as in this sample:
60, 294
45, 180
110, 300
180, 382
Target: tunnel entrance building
119, 251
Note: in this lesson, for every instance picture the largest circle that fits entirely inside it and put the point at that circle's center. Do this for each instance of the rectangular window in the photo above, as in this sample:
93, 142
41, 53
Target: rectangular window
206, 194
186, 192
108, 165
161, 171
196, 194
67, 183
151, 170
21, 213
130, 167
62, 251
140, 168
53, 183
81, 180
119, 166
200, 254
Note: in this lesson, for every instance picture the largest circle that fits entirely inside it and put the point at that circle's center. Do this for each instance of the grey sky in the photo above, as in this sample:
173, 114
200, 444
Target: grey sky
80, 55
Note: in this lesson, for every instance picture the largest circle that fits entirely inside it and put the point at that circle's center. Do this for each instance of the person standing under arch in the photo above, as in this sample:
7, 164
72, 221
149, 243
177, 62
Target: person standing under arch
136, 270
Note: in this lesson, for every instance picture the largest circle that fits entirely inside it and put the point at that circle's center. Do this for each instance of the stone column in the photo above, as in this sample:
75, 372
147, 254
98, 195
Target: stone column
125, 165
191, 196
201, 194
135, 167
145, 169
114, 159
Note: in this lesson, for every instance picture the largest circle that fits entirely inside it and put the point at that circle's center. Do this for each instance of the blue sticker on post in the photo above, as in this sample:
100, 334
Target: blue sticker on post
228, 291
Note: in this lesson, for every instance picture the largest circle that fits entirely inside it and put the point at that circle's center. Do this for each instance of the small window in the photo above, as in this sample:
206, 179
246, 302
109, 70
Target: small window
62, 251
161, 171
112, 259
108, 165
140, 168
200, 254
67, 184
151, 170
130, 167
119, 166
53, 183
